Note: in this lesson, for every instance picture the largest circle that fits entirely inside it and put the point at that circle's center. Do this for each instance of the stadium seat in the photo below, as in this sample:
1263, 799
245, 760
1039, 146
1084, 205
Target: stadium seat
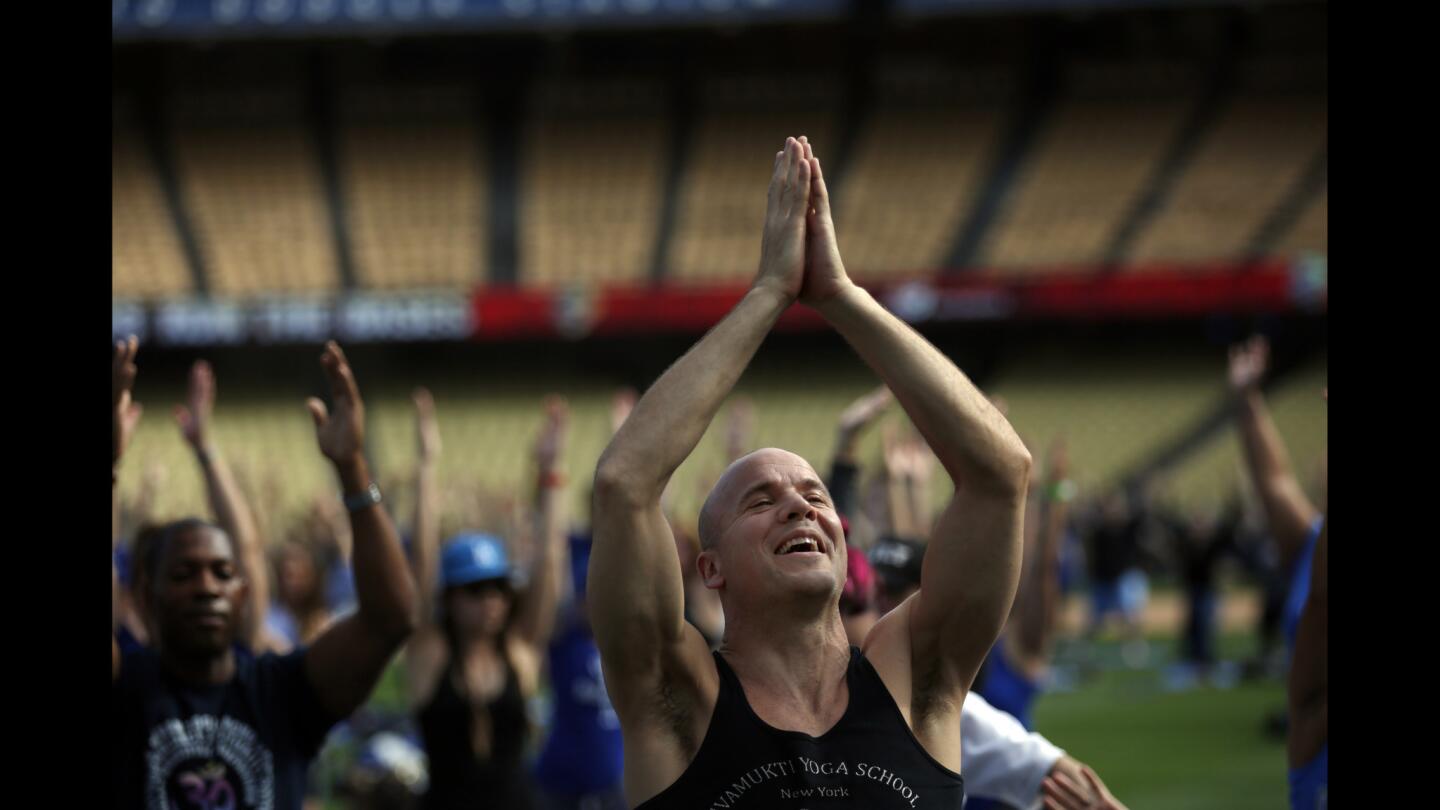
1089, 165
415, 188
1251, 158
251, 180
918, 163
146, 259
593, 160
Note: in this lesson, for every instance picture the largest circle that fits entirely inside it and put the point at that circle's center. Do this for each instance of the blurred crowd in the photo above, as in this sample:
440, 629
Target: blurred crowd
498, 692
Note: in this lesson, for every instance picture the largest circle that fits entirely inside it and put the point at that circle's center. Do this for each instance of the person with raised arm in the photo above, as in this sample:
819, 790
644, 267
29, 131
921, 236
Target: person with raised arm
1017, 664
787, 709
478, 657
1293, 520
228, 504
200, 721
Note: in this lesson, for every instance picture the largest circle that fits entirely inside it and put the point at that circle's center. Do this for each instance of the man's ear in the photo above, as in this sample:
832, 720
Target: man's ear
708, 564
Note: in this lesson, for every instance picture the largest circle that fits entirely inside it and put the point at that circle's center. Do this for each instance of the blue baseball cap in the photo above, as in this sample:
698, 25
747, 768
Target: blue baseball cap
471, 558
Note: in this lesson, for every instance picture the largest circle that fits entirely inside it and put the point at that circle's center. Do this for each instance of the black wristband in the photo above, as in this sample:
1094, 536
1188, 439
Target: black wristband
363, 500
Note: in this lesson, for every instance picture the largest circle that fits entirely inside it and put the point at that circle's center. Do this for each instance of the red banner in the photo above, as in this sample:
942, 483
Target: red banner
1272, 286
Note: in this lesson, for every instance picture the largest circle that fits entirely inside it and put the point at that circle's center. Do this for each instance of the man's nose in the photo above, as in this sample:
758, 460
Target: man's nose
797, 506
208, 585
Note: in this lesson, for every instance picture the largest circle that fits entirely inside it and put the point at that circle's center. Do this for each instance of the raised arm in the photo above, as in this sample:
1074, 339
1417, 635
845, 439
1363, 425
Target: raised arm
425, 546
124, 416
844, 467
1038, 600
535, 621
227, 502
1288, 511
347, 659
972, 565
635, 589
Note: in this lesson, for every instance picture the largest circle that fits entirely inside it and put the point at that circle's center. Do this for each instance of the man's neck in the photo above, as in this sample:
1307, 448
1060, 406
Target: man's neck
803, 660
200, 670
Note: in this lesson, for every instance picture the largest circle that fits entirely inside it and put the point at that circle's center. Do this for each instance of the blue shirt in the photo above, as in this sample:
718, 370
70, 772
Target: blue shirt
1299, 591
1006, 688
582, 753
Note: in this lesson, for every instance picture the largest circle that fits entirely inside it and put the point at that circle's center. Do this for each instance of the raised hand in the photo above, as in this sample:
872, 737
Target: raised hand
427, 430
1248, 362
907, 456
825, 274
621, 404
550, 444
782, 248
125, 413
1062, 792
863, 411
341, 433
194, 416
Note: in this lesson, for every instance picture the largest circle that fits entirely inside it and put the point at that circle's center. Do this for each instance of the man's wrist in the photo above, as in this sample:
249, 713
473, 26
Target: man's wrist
771, 293
845, 299
354, 475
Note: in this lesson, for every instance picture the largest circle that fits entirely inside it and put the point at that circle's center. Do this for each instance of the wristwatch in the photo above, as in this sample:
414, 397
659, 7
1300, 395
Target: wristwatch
363, 500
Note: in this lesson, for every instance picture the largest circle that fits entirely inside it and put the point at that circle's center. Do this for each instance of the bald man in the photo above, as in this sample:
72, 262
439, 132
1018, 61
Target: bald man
786, 713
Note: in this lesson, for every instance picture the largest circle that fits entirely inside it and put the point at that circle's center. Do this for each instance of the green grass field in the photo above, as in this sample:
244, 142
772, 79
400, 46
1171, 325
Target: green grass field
1159, 750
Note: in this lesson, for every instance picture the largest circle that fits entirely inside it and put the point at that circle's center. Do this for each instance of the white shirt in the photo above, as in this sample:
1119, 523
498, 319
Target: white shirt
999, 758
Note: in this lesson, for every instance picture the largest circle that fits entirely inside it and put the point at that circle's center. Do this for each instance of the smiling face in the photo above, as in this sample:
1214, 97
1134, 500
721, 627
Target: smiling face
770, 530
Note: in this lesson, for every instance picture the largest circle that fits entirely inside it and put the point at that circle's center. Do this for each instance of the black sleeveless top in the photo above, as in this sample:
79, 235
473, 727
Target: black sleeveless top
869, 760
458, 779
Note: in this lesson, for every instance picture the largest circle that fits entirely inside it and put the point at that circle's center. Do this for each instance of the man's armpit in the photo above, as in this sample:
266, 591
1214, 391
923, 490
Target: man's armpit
934, 693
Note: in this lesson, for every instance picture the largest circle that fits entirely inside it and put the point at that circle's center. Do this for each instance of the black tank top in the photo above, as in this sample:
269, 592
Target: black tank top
869, 760
458, 779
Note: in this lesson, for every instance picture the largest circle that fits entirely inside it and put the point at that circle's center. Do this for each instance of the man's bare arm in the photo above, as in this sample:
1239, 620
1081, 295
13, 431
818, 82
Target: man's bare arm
1288, 510
227, 502
636, 593
972, 565
425, 550
347, 659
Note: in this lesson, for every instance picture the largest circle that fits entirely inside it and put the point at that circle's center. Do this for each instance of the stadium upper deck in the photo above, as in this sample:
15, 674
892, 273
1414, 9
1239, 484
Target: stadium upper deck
275, 170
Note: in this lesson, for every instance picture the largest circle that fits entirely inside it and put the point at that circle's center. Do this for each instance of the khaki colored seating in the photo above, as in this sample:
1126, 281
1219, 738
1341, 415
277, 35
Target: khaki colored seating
146, 258
917, 167
1254, 155
251, 180
1089, 166
593, 162
415, 190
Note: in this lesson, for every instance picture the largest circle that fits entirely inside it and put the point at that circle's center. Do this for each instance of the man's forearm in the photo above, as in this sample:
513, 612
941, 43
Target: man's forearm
971, 439
670, 419
384, 589
425, 551
233, 515
1288, 511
